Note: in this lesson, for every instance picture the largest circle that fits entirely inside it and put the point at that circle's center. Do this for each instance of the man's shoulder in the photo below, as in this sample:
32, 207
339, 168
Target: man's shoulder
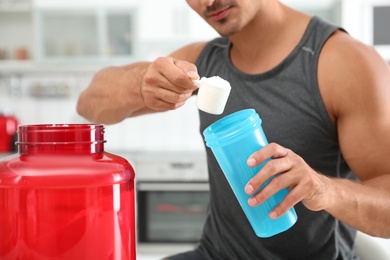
192, 51
343, 50
349, 71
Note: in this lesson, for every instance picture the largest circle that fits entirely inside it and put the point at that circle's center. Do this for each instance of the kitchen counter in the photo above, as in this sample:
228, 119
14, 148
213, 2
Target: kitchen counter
28, 66
150, 256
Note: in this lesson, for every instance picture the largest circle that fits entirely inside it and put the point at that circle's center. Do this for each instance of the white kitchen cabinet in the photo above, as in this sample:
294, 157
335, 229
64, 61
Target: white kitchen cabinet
15, 29
108, 31
85, 33
112, 31
15, 6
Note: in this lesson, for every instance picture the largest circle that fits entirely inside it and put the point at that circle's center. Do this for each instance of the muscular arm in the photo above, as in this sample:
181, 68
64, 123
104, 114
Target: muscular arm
357, 96
116, 93
109, 97
355, 85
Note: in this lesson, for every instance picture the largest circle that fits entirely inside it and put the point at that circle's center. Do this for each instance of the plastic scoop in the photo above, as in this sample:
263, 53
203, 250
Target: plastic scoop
213, 94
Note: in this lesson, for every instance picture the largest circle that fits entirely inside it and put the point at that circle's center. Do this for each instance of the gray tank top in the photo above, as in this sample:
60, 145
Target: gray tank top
289, 103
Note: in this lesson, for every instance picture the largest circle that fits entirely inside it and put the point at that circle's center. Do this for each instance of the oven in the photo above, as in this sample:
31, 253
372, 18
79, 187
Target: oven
172, 201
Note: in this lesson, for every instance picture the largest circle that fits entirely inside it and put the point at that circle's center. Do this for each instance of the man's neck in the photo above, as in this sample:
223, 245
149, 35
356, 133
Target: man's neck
267, 40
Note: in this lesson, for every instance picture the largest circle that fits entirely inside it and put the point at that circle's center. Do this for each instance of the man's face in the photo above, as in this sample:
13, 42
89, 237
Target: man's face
227, 17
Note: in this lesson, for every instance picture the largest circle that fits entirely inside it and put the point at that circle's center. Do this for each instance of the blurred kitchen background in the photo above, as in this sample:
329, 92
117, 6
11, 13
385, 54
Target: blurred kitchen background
50, 49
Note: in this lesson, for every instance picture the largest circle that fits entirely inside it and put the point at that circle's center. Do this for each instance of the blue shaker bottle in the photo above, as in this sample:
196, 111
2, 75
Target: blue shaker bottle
232, 140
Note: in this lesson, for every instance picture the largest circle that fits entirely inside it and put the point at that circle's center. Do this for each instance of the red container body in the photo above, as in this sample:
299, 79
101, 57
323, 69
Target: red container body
8, 126
63, 197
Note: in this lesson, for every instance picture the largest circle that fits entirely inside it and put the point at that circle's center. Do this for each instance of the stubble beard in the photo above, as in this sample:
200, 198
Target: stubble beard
225, 30
223, 27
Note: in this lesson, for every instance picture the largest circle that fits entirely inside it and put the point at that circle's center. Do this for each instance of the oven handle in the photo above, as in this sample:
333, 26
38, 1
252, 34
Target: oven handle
172, 186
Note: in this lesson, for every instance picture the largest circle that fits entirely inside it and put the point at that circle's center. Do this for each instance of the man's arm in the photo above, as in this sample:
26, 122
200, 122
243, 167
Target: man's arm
360, 102
355, 85
116, 93
106, 100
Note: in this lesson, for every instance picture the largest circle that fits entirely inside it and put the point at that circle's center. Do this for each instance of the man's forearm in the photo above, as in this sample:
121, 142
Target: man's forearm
113, 95
362, 206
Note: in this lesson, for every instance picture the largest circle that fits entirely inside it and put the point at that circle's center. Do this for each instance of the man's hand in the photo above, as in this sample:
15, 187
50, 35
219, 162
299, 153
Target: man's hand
167, 83
289, 171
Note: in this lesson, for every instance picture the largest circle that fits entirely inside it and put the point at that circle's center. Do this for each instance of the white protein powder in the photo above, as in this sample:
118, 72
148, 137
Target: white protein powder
216, 81
213, 95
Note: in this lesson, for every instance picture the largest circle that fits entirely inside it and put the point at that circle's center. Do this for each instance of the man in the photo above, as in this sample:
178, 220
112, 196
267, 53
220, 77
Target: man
324, 99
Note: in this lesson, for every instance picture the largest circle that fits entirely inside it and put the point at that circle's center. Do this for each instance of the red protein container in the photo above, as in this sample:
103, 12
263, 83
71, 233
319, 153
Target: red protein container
63, 197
